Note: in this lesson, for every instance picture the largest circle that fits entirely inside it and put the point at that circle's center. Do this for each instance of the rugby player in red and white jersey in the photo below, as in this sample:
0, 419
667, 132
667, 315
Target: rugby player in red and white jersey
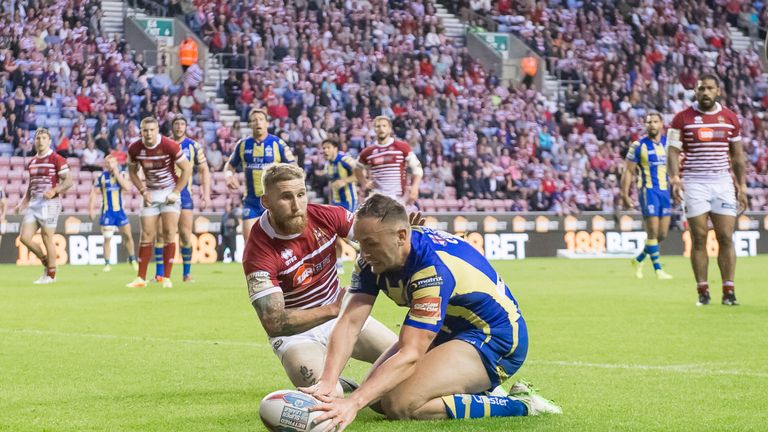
709, 137
290, 268
387, 161
156, 155
49, 176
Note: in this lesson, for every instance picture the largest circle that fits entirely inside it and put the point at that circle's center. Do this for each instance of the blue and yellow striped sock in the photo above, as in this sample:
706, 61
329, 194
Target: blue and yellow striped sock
159, 270
652, 248
642, 255
466, 406
186, 257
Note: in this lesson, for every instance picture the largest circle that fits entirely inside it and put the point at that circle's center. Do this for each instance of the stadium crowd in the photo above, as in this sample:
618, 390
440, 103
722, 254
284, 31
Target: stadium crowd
327, 70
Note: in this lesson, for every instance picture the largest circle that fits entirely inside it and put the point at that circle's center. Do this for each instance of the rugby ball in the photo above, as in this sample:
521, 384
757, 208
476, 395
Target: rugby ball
288, 411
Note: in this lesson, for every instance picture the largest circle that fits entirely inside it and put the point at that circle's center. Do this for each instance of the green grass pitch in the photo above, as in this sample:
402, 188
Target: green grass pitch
88, 354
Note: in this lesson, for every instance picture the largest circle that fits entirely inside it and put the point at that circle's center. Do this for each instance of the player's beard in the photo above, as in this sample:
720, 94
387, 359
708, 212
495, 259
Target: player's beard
292, 225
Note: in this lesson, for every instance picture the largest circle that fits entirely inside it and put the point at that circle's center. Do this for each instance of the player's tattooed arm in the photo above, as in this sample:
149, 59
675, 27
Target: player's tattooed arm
278, 320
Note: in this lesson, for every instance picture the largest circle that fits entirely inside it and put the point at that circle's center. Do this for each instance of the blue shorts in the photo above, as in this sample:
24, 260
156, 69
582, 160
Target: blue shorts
113, 218
186, 200
655, 203
349, 206
252, 208
499, 362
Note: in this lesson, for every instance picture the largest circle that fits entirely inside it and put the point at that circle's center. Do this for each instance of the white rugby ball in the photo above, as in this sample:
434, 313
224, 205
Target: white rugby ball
288, 411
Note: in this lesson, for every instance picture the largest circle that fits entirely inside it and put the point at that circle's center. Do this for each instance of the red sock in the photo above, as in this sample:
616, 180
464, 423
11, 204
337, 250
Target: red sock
51, 271
703, 287
145, 255
169, 251
728, 287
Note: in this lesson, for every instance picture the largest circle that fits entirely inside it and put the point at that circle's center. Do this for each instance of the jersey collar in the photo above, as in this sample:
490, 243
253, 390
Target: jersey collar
265, 225
715, 110
389, 141
46, 154
157, 143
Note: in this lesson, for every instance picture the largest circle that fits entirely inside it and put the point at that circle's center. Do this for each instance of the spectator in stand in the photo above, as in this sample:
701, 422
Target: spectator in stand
92, 159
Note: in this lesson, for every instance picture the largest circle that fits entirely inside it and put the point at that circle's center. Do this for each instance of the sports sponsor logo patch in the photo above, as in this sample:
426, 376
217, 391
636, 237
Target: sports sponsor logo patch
426, 282
706, 134
258, 281
427, 307
294, 418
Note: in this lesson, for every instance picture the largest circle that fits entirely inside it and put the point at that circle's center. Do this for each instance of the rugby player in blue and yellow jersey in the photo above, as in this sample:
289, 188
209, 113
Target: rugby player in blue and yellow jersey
110, 185
648, 158
462, 317
252, 155
194, 152
341, 182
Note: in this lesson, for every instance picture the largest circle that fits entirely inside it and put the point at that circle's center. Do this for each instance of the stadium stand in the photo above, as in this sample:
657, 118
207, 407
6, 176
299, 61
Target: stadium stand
328, 71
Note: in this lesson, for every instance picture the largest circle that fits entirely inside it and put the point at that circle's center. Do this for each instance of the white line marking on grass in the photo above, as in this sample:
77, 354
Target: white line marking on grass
137, 338
696, 369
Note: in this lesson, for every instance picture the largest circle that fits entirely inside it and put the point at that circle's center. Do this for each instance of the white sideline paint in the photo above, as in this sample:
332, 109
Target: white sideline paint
695, 369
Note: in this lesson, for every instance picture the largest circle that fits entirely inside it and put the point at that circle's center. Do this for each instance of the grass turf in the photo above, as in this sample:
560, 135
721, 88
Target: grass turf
87, 354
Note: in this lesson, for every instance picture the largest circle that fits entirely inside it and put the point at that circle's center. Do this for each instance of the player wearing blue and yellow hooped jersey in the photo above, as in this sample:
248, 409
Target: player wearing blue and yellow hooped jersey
341, 175
647, 158
109, 185
252, 156
461, 317
196, 156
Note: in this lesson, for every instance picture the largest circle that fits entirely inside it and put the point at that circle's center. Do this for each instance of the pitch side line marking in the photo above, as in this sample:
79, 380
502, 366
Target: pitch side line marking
696, 369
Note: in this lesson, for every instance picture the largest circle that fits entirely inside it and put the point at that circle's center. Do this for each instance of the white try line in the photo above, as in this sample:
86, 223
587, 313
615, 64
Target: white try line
695, 369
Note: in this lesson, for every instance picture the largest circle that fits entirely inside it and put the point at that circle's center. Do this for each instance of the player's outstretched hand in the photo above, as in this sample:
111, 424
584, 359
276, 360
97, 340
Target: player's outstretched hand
342, 412
415, 218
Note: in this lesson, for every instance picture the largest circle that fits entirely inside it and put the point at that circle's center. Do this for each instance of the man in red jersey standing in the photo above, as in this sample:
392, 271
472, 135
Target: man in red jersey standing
709, 137
387, 161
290, 268
48, 177
156, 155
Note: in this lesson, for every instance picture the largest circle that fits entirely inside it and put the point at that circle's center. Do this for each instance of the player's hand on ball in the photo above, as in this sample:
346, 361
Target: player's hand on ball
172, 198
340, 411
320, 389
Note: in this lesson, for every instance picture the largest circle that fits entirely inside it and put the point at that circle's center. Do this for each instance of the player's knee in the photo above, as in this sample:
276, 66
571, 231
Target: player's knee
398, 408
661, 236
724, 241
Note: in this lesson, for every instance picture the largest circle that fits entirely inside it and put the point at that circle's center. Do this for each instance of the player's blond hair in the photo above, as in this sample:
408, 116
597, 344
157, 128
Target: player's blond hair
384, 209
280, 172
383, 117
43, 131
148, 120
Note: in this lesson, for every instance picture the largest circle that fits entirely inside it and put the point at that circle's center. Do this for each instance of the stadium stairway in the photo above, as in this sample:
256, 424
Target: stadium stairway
454, 28
740, 41
115, 10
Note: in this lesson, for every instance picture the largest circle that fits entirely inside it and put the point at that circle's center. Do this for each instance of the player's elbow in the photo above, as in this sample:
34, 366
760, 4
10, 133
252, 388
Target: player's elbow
274, 329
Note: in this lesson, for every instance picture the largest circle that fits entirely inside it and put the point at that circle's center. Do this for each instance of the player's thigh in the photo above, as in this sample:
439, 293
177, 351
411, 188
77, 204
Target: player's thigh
375, 339
303, 362
652, 226
454, 367
698, 227
28, 230
724, 225
185, 226
170, 225
125, 231
149, 228
697, 199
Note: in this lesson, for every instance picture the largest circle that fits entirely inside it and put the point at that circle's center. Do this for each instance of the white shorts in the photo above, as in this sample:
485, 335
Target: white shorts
717, 198
158, 204
320, 334
45, 212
